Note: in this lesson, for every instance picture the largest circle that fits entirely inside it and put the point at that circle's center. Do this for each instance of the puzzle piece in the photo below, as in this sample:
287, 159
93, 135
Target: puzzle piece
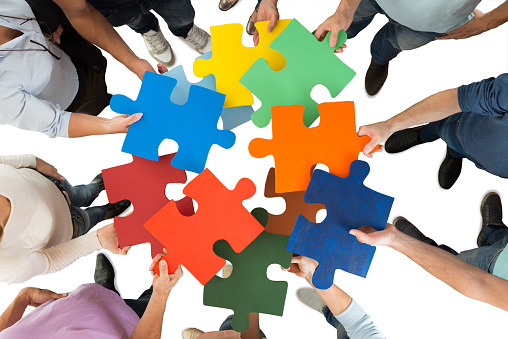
349, 205
143, 182
231, 116
220, 215
308, 63
297, 148
231, 59
193, 125
248, 290
295, 205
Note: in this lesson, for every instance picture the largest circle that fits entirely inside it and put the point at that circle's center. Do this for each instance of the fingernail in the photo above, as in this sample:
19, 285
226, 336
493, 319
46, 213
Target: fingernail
163, 263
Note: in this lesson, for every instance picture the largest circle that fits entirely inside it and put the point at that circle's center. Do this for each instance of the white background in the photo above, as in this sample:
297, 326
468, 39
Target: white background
404, 300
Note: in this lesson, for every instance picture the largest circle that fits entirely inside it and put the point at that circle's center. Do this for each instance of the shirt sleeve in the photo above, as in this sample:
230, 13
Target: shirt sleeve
23, 110
486, 97
358, 324
23, 267
19, 161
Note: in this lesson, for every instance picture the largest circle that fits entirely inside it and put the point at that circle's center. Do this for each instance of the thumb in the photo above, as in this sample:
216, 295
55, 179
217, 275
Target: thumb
163, 267
360, 236
369, 147
334, 35
273, 22
57, 296
133, 118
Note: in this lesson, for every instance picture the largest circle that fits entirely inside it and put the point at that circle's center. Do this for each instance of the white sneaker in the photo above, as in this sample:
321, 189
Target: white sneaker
191, 333
159, 48
199, 39
310, 298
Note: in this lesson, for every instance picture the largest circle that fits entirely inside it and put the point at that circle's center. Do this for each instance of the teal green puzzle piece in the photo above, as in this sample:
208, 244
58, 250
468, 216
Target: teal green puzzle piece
248, 290
308, 63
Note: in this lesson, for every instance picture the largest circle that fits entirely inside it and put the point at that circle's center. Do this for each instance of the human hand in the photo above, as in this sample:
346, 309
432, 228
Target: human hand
121, 123
44, 168
155, 261
220, 335
474, 27
36, 297
378, 133
305, 266
267, 11
140, 67
334, 24
109, 240
368, 235
162, 68
55, 36
164, 283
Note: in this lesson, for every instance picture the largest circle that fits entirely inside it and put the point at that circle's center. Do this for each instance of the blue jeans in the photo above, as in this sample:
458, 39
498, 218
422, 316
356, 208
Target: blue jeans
330, 318
445, 129
226, 326
392, 38
138, 305
492, 243
178, 14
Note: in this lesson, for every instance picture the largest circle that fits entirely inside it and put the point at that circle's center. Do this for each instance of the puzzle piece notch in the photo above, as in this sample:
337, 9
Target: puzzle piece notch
248, 289
190, 240
308, 63
349, 206
192, 125
231, 59
296, 148
147, 196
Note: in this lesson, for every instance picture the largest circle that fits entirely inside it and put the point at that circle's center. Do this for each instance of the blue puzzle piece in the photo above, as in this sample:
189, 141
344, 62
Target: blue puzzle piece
192, 125
349, 205
231, 116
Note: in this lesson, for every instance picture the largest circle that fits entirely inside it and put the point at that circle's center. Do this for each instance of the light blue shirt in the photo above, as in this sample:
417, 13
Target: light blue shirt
501, 265
358, 324
440, 16
35, 88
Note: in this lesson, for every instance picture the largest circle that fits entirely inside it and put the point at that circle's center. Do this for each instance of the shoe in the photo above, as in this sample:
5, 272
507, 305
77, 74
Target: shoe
406, 227
114, 210
191, 333
104, 271
403, 140
375, 77
199, 39
159, 48
226, 271
225, 5
492, 214
99, 181
250, 28
310, 298
449, 170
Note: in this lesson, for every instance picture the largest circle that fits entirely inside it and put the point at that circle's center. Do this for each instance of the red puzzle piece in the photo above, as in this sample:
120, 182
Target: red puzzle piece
220, 215
143, 182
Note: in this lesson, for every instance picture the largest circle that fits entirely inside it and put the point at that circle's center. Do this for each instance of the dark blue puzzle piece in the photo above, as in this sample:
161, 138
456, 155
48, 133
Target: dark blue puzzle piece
192, 125
349, 205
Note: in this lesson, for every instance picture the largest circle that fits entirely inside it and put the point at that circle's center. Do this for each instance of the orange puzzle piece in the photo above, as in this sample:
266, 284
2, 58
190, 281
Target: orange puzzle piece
220, 216
296, 148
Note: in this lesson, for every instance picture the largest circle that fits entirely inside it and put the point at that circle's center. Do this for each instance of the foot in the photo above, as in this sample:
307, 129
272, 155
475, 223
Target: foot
310, 298
99, 181
449, 171
492, 214
375, 77
226, 271
225, 5
250, 27
403, 140
104, 271
191, 333
406, 227
114, 210
159, 48
199, 39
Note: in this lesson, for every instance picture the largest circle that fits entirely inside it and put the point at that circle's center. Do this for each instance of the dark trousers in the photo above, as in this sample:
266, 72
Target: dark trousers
138, 305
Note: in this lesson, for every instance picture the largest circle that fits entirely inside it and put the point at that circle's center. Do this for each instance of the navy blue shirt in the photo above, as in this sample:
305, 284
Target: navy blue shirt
483, 126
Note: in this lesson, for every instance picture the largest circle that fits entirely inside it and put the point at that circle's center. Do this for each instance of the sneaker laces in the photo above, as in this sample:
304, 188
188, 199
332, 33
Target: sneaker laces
196, 37
156, 42
493, 215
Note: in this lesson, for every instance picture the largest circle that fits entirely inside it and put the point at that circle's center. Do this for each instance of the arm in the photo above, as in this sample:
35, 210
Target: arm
92, 26
81, 125
340, 20
266, 11
456, 273
30, 161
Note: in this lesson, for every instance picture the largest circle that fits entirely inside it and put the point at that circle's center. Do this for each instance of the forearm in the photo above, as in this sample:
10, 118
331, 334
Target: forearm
150, 325
81, 125
496, 17
336, 299
253, 332
14, 312
348, 7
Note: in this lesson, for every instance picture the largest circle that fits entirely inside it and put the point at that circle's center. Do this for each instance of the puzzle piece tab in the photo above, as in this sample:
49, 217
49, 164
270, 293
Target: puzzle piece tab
231, 59
248, 290
349, 205
192, 125
308, 63
143, 182
220, 216
297, 148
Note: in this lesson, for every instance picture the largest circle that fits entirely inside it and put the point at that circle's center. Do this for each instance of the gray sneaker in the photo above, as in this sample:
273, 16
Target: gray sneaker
199, 39
191, 333
159, 48
310, 298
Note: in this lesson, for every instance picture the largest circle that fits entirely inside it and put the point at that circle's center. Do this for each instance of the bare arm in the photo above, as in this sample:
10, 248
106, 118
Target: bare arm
81, 125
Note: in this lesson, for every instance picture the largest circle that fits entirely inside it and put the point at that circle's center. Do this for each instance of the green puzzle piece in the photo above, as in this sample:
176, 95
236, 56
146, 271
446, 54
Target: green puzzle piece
248, 290
308, 63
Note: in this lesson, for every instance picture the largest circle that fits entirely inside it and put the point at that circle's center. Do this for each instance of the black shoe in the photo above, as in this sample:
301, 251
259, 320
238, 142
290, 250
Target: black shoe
449, 171
99, 181
375, 77
403, 140
406, 227
114, 210
492, 215
104, 272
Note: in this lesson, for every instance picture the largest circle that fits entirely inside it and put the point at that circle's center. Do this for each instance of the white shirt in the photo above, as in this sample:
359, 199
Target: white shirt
35, 88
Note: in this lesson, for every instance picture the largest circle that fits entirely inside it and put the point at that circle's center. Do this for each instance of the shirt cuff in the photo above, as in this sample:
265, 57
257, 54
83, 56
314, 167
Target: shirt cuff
92, 240
65, 119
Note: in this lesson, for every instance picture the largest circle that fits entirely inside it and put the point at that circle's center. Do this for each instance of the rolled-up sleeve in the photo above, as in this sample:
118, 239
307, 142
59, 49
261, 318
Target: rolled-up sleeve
487, 97
358, 324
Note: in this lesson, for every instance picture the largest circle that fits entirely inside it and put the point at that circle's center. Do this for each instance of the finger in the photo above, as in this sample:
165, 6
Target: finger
125, 250
256, 38
380, 148
360, 236
333, 38
163, 267
320, 31
165, 250
273, 21
296, 260
133, 118
179, 271
162, 68
369, 147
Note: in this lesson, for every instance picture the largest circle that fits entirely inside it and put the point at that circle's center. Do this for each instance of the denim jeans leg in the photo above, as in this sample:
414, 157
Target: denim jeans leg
86, 219
363, 16
178, 14
485, 257
491, 235
226, 326
139, 305
330, 318
445, 129
136, 15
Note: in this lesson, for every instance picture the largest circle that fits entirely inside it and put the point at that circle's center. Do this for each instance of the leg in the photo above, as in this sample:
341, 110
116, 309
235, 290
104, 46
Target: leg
226, 326
485, 257
81, 195
178, 14
363, 16
139, 305
330, 318
85, 219
136, 15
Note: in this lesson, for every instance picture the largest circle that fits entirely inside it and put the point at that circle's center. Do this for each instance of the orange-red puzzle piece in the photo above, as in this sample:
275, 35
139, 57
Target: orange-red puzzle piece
220, 215
143, 182
297, 148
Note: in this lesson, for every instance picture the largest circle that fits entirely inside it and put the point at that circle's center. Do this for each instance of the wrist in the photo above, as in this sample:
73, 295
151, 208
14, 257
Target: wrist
160, 296
23, 297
